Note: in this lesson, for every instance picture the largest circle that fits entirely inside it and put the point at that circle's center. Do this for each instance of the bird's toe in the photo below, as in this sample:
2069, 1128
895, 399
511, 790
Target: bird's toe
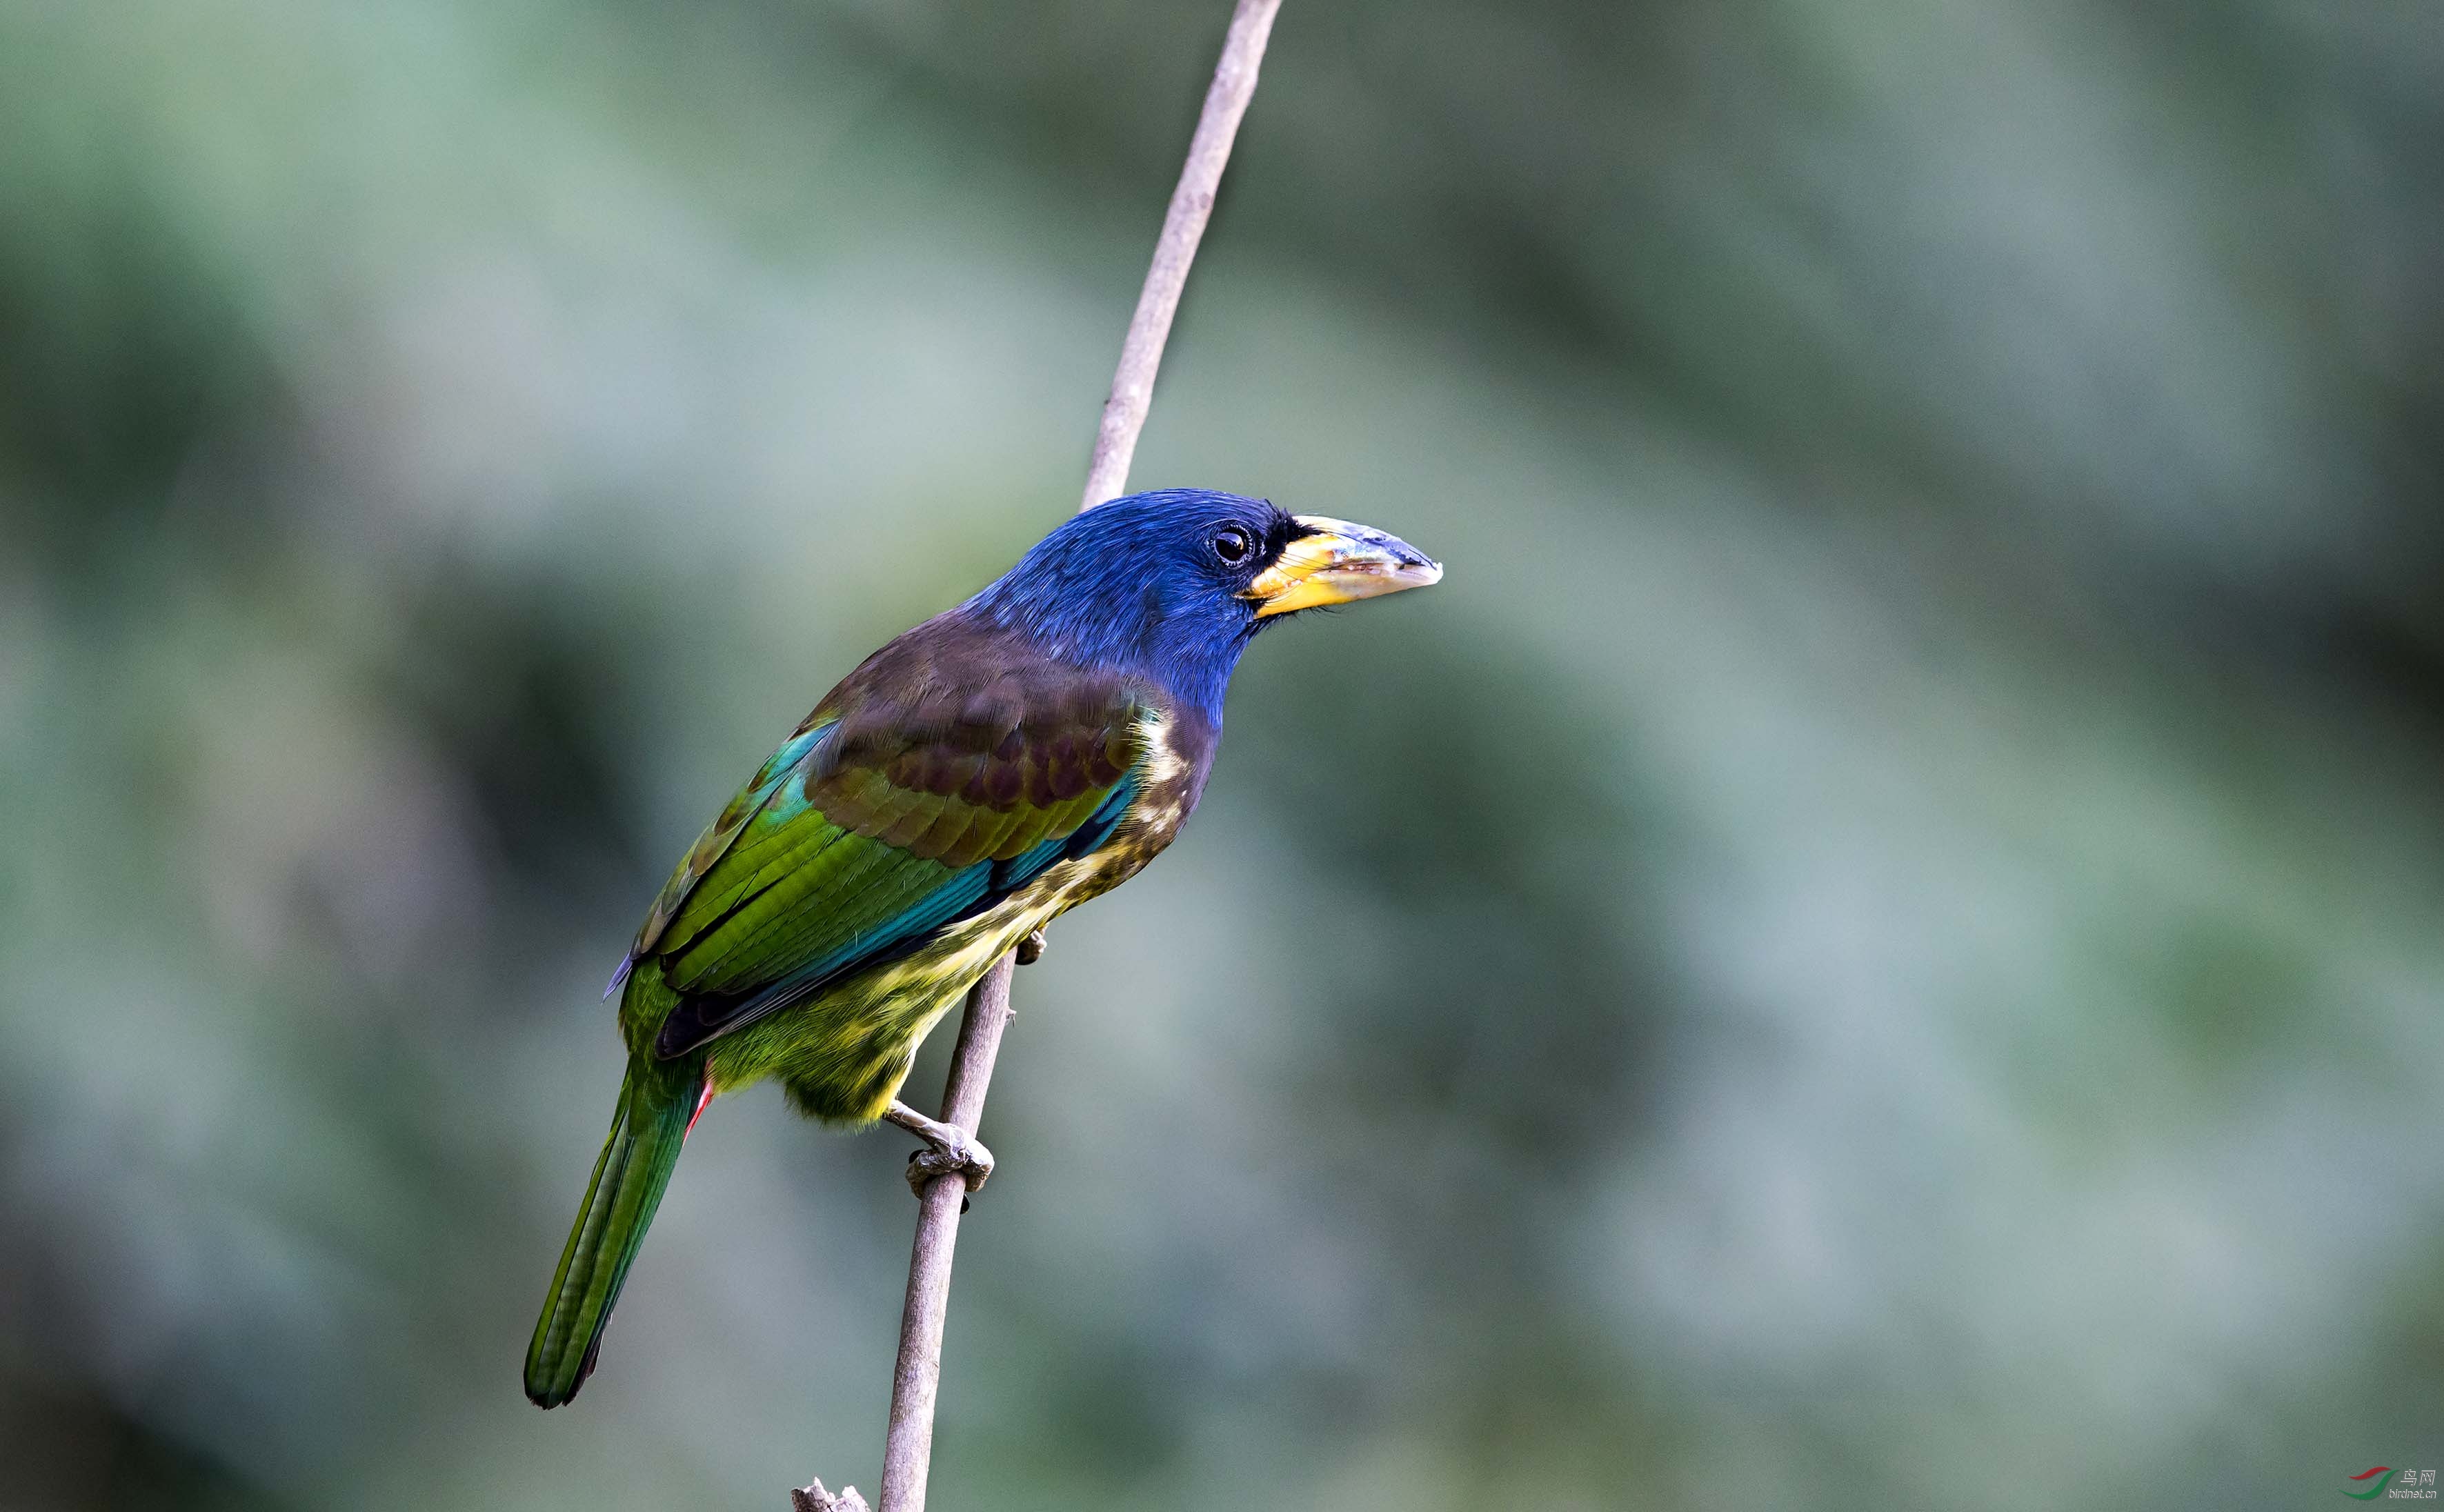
966, 1158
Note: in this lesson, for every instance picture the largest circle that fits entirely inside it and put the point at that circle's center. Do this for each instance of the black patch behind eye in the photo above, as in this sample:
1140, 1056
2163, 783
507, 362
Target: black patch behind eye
1279, 533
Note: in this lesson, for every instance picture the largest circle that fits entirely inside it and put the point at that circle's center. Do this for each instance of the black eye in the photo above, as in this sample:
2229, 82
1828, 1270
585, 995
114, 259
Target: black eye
1231, 545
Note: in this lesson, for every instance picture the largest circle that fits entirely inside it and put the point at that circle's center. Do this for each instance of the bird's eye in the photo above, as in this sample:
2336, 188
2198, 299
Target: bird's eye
1231, 545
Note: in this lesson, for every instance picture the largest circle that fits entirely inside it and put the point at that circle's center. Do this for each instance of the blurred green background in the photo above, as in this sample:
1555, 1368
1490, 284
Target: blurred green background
1876, 943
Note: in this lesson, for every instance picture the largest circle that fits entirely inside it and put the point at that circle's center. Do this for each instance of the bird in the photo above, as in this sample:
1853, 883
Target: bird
997, 765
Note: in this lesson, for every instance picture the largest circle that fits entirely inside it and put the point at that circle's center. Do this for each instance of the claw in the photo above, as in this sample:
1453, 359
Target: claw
966, 1158
950, 1151
1031, 948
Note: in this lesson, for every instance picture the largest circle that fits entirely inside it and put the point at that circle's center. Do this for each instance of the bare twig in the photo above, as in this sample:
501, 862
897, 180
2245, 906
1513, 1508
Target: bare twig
1183, 226
917, 1380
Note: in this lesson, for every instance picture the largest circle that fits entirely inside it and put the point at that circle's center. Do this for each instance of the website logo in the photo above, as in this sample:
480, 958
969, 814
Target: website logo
2394, 1485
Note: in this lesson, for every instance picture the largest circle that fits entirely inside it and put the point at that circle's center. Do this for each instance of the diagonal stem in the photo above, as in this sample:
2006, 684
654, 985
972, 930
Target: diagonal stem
917, 1379
1183, 227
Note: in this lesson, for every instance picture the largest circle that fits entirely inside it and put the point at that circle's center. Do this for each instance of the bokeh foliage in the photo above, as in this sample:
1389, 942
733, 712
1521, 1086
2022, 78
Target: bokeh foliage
1876, 943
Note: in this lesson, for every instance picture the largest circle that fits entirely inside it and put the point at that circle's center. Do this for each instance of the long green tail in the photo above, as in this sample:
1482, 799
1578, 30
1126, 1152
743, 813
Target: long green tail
656, 1103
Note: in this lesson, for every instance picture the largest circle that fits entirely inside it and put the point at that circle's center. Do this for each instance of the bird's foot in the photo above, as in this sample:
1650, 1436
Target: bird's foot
1031, 948
815, 1499
950, 1151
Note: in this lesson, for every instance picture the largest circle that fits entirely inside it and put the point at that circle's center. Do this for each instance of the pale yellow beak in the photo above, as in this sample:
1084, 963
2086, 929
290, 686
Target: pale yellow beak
1333, 561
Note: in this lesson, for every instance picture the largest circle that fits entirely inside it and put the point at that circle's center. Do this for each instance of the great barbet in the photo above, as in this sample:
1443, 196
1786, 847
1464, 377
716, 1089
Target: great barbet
997, 765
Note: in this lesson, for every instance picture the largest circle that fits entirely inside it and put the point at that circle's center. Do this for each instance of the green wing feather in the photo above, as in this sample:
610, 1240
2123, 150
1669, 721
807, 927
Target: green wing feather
866, 830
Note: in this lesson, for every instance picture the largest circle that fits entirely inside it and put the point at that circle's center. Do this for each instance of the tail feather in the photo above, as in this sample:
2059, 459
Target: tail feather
657, 1107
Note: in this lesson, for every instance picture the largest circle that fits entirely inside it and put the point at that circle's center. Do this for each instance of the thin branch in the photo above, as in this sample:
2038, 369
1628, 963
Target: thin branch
917, 1379
1183, 227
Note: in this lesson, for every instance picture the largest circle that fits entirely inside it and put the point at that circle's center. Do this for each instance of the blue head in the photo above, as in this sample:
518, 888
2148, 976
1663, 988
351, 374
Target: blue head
1173, 585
